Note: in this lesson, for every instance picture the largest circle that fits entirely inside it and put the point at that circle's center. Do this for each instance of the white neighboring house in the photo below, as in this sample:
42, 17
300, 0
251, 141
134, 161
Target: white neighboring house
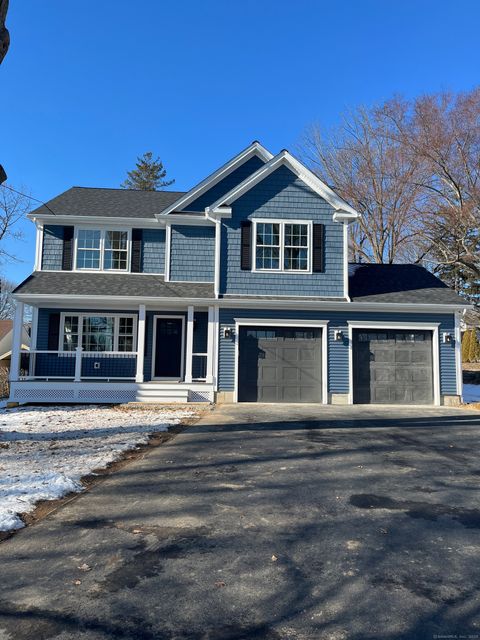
6, 339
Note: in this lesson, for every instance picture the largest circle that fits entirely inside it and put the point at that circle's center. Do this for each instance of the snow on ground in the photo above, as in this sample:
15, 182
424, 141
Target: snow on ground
44, 451
471, 392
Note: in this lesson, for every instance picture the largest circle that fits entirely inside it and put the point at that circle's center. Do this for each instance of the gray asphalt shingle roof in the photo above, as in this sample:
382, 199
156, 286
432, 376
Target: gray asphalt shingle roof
398, 283
122, 203
111, 284
377, 283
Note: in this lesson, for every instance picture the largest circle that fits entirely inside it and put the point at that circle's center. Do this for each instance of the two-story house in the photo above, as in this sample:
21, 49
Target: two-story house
237, 291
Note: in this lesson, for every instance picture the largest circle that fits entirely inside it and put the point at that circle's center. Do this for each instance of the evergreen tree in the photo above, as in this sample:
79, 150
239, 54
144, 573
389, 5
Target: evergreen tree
474, 347
148, 175
467, 339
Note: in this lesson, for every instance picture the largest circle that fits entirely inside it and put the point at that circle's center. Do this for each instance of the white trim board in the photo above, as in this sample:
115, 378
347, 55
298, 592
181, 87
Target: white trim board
458, 357
265, 322
255, 149
284, 158
56, 300
154, 347
423, 326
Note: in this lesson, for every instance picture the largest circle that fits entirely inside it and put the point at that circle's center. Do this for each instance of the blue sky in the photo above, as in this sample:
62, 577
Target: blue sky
87, 86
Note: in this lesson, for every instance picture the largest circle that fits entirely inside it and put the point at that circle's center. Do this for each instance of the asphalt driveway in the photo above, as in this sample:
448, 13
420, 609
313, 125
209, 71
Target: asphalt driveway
266, 523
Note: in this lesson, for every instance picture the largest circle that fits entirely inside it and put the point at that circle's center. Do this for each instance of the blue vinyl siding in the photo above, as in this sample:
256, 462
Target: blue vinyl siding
53, 365
192, 254
153, 251
338, 352
226, 185
52, 250
281, 195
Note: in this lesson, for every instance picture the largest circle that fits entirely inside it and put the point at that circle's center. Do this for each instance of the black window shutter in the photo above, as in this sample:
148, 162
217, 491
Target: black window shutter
67, 256
136, 250
53, 331
318, 248
246, 248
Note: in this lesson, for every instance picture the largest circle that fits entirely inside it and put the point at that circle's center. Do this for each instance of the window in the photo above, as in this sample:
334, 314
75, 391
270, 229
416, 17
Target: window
296, 247
102, 249
116, 250
267, 254
98, 333
107, 332
125, 334
282, 246
88, 249
70, 333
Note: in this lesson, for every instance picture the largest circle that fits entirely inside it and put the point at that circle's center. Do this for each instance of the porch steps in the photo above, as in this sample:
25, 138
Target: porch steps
153, 393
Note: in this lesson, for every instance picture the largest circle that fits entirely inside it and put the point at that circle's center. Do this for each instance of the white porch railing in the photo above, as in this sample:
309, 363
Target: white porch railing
199, 366
77, 365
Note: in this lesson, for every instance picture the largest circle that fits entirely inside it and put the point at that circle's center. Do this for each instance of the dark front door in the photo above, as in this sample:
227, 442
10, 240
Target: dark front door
392, 366
280, 364
168, 348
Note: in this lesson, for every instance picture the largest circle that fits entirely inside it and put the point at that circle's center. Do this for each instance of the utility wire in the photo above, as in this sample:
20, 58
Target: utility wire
5, 186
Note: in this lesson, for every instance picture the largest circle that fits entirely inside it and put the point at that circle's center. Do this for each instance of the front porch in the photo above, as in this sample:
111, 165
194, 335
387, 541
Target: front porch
142, 355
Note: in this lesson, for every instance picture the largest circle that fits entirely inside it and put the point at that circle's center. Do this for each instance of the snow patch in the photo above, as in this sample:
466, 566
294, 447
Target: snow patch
45, 451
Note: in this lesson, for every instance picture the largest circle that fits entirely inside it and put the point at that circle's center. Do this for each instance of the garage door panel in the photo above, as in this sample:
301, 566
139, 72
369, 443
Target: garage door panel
268, 374
383, 374
392, 367
278, 364
382, 355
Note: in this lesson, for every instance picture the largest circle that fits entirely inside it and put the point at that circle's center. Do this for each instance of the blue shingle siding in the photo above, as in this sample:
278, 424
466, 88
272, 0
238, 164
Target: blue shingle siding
282, 195
338, 352
52, 250
53, 365
226, 185
153, 251
192, 254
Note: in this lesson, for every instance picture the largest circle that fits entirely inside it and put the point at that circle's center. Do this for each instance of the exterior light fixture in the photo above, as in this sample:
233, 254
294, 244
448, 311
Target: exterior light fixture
338, 335
228, 332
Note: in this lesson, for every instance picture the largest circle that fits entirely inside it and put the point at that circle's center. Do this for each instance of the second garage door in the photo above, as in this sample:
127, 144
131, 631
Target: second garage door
279, 364
392, 367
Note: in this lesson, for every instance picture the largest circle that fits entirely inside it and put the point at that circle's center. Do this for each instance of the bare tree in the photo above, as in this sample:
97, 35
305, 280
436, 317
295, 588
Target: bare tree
443, 133
366, 165
13, 207
7, 302
4, 35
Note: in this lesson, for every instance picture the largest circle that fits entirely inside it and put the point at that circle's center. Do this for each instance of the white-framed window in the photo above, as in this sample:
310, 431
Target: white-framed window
282, 245
98, 332
102, 249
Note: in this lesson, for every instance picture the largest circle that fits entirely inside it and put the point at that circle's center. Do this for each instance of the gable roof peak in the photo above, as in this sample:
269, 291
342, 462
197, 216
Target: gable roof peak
343, 211
254, 149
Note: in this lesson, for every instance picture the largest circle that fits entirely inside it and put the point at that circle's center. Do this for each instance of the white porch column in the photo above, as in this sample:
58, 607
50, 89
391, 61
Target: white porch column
189, 345
211, 344
140, 343
16, 343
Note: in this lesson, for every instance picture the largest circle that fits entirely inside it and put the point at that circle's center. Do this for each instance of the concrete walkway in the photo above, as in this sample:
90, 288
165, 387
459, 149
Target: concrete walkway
267, 523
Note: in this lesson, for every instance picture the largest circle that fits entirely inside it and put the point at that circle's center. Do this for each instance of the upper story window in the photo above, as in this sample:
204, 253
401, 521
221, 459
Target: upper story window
105, 249
282, 246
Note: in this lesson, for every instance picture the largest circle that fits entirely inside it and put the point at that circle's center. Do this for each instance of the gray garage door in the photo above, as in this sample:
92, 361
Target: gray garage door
279, 364
392, 367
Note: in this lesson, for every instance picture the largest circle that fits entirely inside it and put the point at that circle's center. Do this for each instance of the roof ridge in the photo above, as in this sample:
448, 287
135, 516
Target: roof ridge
76, 186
